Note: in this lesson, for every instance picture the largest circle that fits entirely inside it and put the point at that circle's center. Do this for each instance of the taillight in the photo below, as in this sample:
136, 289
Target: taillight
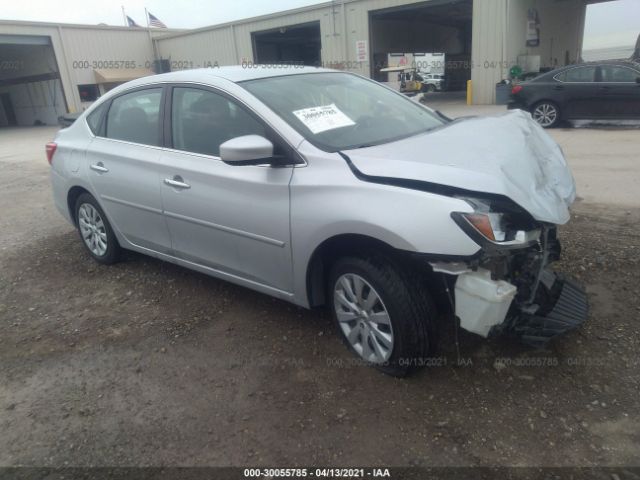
51, 149
516, 89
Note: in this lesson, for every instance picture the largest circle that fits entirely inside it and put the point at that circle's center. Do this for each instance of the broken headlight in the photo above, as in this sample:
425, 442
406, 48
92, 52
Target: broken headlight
499, 223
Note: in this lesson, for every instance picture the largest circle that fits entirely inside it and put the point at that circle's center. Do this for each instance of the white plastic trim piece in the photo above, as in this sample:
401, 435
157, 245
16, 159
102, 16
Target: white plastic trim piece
482, 303
452, 268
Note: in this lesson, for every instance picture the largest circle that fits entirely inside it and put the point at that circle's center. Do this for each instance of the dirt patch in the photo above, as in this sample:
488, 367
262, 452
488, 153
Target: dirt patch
145, 363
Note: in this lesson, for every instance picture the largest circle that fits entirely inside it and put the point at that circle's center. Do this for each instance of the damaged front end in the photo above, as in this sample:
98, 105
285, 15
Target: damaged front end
509, 287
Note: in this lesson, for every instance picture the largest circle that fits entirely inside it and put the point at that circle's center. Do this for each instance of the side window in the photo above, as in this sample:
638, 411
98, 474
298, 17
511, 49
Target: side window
611, 73
580, 75
95, 119
135, 117
202, 120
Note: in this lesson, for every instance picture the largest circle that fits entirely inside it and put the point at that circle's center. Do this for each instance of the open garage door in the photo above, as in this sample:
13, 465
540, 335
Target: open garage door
293, 43
435, 36
30, 88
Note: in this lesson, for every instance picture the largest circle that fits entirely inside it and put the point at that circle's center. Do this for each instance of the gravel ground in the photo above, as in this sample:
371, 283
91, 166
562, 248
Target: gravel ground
146, 363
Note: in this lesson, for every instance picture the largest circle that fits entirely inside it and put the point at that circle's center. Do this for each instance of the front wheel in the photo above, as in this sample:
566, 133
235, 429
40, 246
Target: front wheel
383, 314
95, 231
546, 113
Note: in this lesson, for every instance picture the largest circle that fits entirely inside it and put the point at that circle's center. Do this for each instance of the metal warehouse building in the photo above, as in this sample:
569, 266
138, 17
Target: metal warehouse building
49, 69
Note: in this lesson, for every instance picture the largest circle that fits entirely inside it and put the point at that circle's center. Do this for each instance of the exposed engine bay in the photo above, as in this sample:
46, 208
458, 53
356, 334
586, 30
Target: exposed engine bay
514, 291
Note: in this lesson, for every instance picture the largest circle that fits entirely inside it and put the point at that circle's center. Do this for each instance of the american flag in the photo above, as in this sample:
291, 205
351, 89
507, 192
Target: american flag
131, 22
154, 22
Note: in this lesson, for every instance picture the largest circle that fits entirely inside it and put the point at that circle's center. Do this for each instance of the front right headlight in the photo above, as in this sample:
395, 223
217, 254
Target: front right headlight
489, 226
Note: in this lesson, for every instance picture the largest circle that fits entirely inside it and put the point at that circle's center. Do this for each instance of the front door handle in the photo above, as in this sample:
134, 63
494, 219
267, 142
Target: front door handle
177, 182
99, 167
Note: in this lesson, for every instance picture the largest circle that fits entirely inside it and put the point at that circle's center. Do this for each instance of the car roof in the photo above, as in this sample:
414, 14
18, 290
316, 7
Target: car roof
235, 73
621, 61
626, 62
214, 75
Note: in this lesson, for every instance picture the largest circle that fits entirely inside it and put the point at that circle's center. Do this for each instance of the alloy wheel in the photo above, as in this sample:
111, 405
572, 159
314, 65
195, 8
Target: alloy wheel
545, 114
92, 229
363, 318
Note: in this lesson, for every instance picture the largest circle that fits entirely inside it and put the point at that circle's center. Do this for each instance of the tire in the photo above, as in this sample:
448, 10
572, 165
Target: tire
428, 88
95, 230
547, 114
410, 335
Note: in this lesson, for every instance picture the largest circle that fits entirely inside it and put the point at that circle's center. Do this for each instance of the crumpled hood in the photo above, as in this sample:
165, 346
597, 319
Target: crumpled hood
509, 155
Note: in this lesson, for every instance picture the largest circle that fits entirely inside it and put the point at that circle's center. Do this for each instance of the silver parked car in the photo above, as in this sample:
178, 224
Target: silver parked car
326, 188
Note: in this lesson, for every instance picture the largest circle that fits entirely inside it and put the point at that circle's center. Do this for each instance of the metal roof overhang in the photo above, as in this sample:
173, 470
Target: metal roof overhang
120, 75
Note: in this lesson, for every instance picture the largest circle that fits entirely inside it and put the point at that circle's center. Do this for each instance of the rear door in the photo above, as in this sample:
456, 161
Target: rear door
124, 167
618, 85
234, 219
579, 89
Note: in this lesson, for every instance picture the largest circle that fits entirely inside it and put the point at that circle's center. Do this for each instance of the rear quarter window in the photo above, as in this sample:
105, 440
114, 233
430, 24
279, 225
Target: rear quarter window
95, 119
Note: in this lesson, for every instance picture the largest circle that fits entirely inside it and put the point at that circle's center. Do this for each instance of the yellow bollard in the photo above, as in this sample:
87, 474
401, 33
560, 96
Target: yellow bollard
469, 92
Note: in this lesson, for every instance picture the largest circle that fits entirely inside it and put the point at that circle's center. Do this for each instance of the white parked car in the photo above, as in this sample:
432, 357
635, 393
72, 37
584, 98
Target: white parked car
431, 82
325, 188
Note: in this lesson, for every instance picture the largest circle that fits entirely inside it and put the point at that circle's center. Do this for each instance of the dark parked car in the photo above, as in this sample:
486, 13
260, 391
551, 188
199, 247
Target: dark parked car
607, 90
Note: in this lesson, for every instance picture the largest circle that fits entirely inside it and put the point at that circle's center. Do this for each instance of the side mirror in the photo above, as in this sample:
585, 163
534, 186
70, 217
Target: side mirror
247, 150
638, 80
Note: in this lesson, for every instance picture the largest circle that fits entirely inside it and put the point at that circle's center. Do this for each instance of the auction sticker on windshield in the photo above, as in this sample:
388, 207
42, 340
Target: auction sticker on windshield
323, 118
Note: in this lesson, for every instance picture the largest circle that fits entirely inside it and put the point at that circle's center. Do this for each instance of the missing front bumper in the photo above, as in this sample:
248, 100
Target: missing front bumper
570, 310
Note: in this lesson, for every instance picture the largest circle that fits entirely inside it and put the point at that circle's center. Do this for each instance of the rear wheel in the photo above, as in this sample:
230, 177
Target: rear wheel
384, 316
95, 231
546, 113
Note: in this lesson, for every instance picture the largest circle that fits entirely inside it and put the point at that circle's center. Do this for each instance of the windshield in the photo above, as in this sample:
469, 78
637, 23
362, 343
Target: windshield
340, 111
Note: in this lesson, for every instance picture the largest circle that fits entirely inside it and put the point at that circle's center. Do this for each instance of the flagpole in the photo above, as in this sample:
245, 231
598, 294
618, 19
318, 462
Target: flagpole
124, 16
153, 44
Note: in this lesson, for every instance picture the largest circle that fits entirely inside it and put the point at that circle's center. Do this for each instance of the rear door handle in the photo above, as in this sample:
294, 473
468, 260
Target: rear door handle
99, 167
177, 182
558, 87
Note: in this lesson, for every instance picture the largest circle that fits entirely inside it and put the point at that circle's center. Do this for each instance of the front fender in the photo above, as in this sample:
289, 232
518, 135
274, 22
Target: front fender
328, 200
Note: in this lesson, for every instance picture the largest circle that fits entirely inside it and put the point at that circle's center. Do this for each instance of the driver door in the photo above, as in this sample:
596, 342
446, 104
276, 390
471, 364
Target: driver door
233, 219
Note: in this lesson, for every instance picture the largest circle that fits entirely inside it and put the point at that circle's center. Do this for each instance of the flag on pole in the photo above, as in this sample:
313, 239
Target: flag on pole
131, 22
154, 22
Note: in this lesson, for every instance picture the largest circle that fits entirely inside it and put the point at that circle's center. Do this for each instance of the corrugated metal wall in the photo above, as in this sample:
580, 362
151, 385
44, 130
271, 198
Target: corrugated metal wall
85, 48
195, 50
561, 30
498, 29
79, 48
230, 45
488, 48
52, 32
499, 36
